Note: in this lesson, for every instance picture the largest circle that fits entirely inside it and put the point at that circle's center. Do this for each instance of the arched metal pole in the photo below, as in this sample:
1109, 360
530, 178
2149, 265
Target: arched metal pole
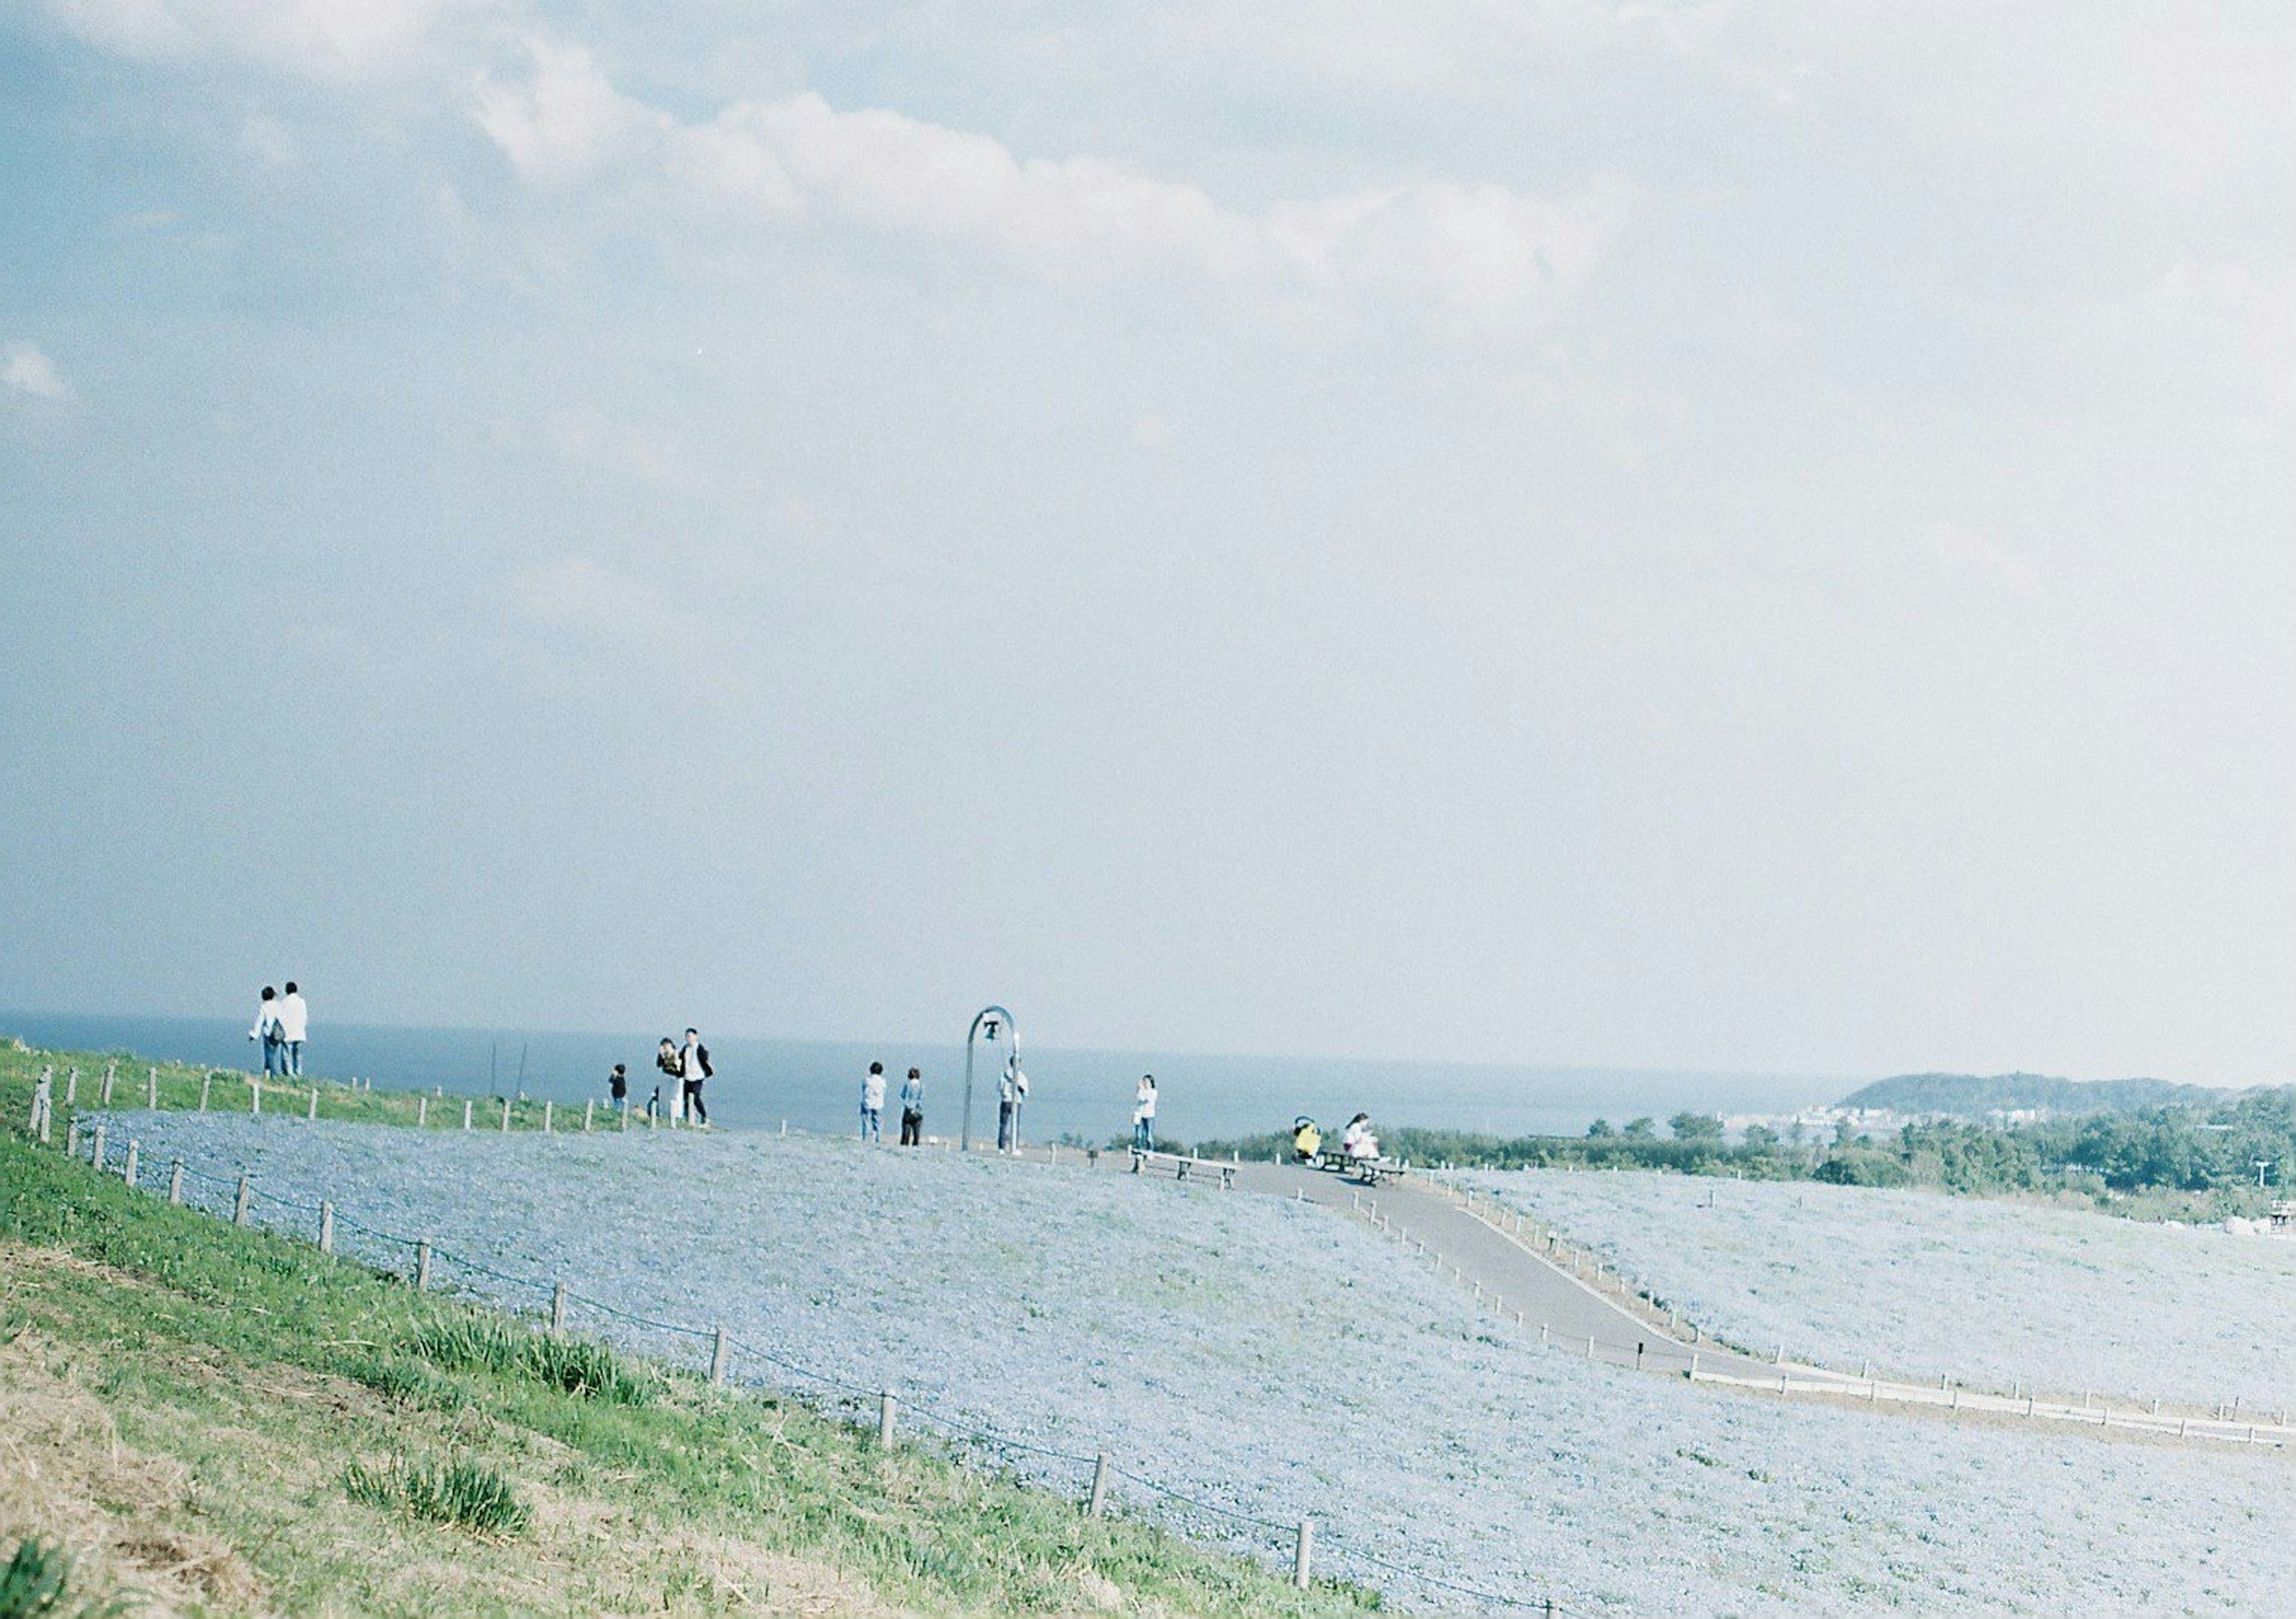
992, 1016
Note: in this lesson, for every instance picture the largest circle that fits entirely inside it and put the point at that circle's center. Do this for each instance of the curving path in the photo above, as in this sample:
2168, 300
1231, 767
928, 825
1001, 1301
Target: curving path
1525, 1276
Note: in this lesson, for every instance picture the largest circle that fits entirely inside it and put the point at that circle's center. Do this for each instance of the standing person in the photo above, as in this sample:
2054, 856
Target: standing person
618, 1089
694, 1063
913, 1110
294, 1023
267, 1029
669, 1095
1143, 1114
872, 1104
1012, 1091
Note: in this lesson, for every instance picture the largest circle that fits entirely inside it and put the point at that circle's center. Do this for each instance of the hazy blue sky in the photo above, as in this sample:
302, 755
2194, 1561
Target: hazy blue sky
1742, 536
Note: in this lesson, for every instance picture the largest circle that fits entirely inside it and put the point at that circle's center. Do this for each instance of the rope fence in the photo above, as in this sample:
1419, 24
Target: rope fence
418, 1260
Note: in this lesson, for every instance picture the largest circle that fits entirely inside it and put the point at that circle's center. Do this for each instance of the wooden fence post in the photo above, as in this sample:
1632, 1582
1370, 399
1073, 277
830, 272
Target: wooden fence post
72, 1089
422, 1267
151, 1089
626, 1118
175, 1182
505, 1115
466, 1113
421, 1111
326, 1226
96, 1158
128, 1173
206, 1083
546, 1115
885, 1405
717, 1355
585, 1114
1098, 1503
558, 1308
244, 1201
71, 1138
1302, 1552
313, 1110
254, 1095
110, 1078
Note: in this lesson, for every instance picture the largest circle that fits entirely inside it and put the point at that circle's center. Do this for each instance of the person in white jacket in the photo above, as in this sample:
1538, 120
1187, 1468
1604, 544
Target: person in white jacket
294, 1024
1012, 1091
1143, 1114
267, 1029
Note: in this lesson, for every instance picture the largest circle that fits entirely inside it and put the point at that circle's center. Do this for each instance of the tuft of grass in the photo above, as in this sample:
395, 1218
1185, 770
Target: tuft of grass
575, 1366
457, 1491
36, 1584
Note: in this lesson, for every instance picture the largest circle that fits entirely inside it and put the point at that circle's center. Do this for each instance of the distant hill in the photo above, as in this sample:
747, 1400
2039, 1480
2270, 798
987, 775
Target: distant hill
1975, 1095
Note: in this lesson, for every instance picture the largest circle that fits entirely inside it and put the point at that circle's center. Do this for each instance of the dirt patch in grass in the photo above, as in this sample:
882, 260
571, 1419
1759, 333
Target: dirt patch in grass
65, 1475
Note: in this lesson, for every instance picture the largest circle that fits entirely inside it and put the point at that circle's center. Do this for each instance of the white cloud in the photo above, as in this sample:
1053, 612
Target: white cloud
1479, 258
265, 137
326, 38
561, 119
25, 371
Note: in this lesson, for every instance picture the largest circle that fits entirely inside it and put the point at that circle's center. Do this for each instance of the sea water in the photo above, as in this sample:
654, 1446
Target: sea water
1085, 1095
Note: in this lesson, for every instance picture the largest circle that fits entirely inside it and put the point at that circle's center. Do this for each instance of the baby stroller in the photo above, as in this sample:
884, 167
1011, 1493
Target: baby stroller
1306, 1140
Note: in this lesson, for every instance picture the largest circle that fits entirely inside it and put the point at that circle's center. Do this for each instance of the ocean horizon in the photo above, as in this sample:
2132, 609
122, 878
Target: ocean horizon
1075, 1093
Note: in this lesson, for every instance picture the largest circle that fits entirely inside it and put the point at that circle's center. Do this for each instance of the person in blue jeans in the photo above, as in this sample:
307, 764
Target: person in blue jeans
1143, 1114
872, 1104
266, 1030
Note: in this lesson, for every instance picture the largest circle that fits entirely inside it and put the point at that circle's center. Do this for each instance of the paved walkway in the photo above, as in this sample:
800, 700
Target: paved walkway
1532, 1279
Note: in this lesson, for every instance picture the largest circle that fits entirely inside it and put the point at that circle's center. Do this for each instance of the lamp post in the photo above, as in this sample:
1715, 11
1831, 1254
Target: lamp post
985, 1024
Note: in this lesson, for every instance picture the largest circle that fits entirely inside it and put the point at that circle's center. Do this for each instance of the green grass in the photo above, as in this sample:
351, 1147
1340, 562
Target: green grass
38, 1584
464, 1493
244, 1381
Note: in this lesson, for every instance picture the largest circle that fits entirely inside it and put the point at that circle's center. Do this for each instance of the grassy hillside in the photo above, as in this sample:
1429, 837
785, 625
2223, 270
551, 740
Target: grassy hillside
227, 1422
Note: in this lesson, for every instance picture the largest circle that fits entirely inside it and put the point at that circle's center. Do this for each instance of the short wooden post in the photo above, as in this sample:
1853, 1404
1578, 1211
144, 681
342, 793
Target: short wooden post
175, 1182
96, 1157
558, 1308
626, 1118
718, 1356
326, 1226
254, 1095
244, 1201
110, 1078
885, 1407
505, 1115
585, 1115
71, 1138
313, 1110
546, 1115
421, 1111
422, 1267
1097, 1502
466, 1113
72, 1089
151, 1089
128, 1173
785, 1126
1302, 1552
206, 1083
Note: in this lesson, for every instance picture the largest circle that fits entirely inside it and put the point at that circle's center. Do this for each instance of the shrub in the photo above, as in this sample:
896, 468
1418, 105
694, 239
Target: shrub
36, 1584
459, 1493
577, 1366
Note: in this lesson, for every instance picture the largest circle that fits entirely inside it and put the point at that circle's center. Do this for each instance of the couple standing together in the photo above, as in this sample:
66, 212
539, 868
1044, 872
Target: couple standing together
280, 1023
684, 1069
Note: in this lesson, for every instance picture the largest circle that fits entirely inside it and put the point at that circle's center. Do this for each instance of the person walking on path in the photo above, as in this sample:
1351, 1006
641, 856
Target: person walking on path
1012, 1091
913, 1110
618, 1089
693, 1068
267, 1029
1143, 1114
294, 1023
872, 1104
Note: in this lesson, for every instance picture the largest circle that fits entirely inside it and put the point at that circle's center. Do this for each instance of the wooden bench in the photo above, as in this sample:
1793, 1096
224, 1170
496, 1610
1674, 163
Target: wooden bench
1370, 1171
1184, 1168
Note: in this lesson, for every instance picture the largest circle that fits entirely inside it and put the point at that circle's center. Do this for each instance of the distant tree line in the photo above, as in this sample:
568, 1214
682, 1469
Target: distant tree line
2193, 1151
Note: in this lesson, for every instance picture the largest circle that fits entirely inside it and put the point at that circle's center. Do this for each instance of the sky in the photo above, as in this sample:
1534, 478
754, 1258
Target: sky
1743, 536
